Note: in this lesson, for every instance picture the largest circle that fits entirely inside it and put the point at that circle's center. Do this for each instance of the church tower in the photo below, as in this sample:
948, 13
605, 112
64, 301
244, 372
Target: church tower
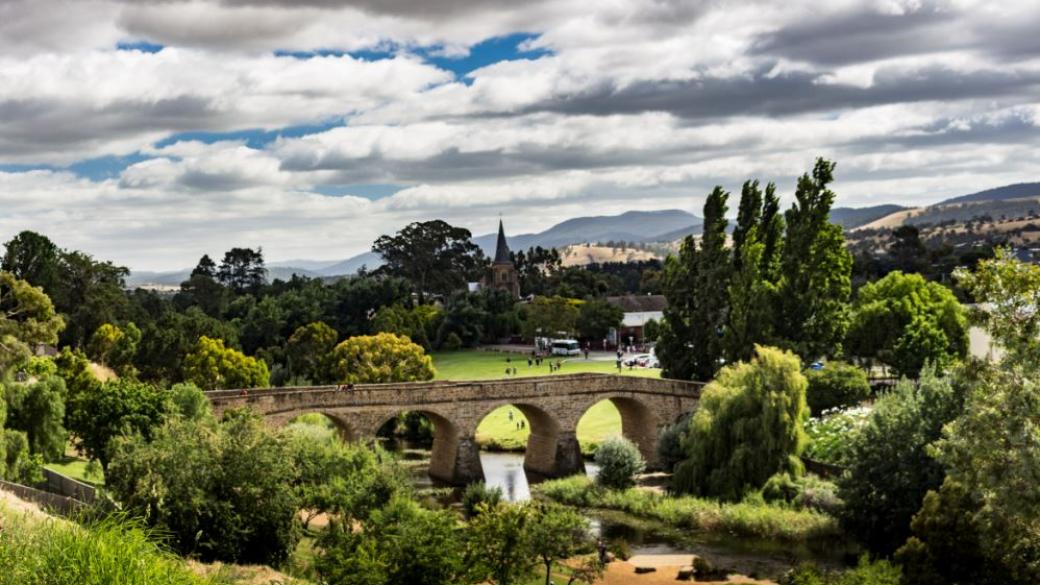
503, 272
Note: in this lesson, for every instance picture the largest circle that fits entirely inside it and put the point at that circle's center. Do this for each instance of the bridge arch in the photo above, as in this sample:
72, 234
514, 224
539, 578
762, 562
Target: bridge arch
639, 422
451, 446
552, 446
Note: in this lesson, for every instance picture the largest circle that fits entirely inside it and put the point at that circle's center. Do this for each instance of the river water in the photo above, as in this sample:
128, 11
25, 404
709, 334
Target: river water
747, 556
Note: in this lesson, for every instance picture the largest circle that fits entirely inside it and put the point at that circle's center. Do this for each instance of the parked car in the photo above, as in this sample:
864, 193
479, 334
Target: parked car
639, 360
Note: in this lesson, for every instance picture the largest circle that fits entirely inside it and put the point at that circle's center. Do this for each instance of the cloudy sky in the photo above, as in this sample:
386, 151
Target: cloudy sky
151, 131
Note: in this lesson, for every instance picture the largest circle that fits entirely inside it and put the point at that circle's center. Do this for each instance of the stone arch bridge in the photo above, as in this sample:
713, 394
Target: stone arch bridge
553, 406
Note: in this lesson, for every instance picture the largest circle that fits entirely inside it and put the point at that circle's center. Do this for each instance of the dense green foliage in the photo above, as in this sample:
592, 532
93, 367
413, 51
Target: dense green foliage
213, 366
815, 285
478, 494
786, 282
222, 491
383, 357
27, 318
597, 317
619, 462
550, 317
117, 408
905, 322
749, 426
890, 469
38, 410
837, 385
696, 283
434, 256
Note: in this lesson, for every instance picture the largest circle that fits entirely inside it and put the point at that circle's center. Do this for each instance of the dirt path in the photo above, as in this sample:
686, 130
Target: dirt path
624, 572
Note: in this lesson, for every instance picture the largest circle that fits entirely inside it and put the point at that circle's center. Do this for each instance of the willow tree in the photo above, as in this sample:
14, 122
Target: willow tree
749, 427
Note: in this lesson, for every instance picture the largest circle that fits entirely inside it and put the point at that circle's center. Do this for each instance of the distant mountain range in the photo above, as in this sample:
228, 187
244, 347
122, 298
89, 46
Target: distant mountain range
666, 226
631, 226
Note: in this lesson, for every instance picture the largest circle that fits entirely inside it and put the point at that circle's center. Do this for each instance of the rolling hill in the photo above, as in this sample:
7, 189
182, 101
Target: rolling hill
1016, 191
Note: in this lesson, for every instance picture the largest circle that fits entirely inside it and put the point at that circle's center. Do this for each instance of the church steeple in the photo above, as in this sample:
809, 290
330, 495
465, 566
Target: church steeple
502, 249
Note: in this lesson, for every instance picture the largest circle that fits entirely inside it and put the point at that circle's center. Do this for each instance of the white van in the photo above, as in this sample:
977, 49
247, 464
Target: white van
566, 347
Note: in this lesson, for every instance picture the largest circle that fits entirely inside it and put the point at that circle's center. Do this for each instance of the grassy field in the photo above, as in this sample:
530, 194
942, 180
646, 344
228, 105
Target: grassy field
76, 468
486, 365
497, 431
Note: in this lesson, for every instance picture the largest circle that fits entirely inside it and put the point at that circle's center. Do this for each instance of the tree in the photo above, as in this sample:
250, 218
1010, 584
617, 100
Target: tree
242, 270
222, 491
384, 357
556, 533
212, 366
434, 256
771, 229
38, 410
750, 300
27, 318
597, 317
946, 546
400, 543
536, 269
310, 352
500, 544
550, 317
203, 290
908, 252
748, 428
619, 462
890, 469
166, 341
816, 271
414, 323
905, 321
34, 258
651, 330
838, 385
695, 284
120, 407
115, 347
748, 215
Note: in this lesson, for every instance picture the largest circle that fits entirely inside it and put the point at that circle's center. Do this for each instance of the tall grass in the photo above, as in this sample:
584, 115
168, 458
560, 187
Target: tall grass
752, 517
36, 551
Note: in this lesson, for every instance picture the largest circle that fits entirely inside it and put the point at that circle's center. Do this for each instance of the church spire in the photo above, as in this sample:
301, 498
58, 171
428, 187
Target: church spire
502, 249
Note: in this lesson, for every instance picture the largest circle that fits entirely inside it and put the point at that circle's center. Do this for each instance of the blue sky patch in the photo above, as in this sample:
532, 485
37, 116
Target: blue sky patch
371, 191
482, 54
253, 137
142, 46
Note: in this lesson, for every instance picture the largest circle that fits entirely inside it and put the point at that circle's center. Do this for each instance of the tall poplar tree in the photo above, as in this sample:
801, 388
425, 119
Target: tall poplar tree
696, 287
771, 234
812, 308
748, 214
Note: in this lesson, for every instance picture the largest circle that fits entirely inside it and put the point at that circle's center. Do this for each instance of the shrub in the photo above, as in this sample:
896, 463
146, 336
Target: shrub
220, 490
478, 493
669, 445
384, 357
890, 469
452, 343
866, 572
806, 493
838, 385
831, 436
619, 462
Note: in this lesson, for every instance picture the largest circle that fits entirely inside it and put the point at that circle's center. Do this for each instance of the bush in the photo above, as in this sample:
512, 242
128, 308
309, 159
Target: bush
619, 462
831, 437
838, 385
805, 493
669, 445
452, 343
478, 493
222, 491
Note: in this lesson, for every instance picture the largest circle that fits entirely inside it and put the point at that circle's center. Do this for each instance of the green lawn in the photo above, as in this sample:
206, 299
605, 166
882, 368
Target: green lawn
76, 468
485, 365
497, 430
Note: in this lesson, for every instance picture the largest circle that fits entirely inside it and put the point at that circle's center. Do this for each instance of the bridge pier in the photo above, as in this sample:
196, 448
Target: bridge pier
553, 454
455, 460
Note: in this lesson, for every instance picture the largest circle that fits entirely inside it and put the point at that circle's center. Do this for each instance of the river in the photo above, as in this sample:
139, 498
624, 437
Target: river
747, 556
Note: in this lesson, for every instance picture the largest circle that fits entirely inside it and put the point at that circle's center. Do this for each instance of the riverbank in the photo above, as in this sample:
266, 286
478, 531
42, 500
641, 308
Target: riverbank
748, 518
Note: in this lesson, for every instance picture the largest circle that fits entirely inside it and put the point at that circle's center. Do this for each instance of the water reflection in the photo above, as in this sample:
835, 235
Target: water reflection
506, 471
